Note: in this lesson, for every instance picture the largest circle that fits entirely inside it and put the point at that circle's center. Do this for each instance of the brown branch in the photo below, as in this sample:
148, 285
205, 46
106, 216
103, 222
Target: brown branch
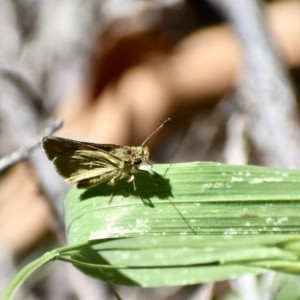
22, 154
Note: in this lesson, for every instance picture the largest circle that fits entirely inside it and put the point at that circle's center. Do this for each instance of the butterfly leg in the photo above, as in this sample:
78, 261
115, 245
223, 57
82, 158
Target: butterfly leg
112, 183
114, 179
122, 175
111, 197
131, 179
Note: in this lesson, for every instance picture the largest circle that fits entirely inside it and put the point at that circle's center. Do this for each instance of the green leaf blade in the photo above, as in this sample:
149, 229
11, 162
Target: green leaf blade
205, 198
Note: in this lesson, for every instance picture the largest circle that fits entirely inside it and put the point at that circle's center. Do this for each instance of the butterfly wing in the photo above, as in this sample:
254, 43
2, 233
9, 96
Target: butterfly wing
84, 163
55, 146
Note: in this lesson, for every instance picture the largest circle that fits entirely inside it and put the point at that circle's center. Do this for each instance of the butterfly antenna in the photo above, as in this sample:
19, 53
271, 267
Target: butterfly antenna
159, 127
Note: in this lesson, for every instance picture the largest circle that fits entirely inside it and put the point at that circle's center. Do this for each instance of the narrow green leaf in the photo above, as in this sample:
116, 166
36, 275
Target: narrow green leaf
24, 273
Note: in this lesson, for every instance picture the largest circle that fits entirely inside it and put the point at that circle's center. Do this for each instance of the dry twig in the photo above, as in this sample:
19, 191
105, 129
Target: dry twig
22, 154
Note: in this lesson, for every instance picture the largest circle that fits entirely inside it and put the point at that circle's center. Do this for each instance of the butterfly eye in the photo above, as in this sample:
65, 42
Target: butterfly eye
127, 151
137, 161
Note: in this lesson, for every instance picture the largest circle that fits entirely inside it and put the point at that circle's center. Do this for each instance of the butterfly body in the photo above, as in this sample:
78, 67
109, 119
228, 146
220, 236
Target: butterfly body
88, 164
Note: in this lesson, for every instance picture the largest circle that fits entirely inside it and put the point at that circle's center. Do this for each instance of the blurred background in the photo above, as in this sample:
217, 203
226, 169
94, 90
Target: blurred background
226, 72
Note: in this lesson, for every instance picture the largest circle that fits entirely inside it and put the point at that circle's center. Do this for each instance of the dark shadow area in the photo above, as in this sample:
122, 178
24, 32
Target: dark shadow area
147, 186
89, 255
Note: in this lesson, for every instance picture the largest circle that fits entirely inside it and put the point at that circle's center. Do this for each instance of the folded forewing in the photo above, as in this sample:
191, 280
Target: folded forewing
56, 146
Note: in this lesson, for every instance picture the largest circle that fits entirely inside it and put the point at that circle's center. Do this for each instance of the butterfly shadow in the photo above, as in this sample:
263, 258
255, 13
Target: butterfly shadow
148, 186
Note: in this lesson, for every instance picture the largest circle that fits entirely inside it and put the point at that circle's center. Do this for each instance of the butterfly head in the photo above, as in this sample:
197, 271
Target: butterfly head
136, 155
